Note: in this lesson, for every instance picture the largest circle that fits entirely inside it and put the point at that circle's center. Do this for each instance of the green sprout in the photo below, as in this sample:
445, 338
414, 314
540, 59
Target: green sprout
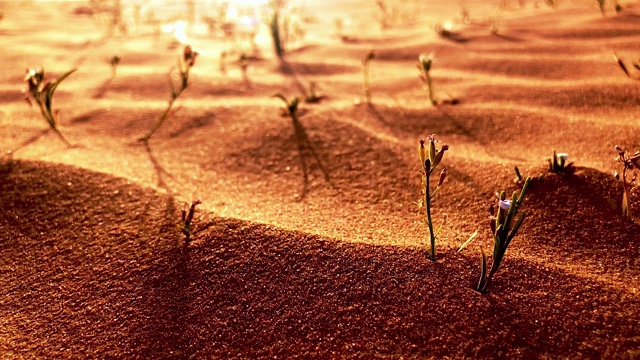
312, 97
519, 179
424, 65
629, 185
41, 92
558, 164
365, 69
186, 225
185, 63
115, 61
291, 108
504, 228
243, 61
430, 159
273, 17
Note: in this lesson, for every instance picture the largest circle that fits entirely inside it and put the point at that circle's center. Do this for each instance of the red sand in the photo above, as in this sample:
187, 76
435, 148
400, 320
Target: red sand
332, 266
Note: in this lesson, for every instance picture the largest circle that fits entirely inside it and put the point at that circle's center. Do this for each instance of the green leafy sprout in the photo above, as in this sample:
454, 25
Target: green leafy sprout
185, 63
42, 91
430, 158
365, 70
291, 107
424, 65
504, 228
558, 164
629, 181
186, 225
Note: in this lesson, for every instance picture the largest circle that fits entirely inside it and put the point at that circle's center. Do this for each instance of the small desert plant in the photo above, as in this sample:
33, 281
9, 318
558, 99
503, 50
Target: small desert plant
365, 69
243, 62
558, 164
430, 158
185, 63
519, 179
504, 228
41, 92
629, 184
312, 97
186, 226
115, 61
291, 107
625, 69
424, 65
273, 19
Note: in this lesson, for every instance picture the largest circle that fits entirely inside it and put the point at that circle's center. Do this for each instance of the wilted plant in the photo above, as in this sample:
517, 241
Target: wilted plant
291, 107
504, 228
558, 164
41, 92
365, 70
629, 184
430, 158
185, 63
424, 65
186, 226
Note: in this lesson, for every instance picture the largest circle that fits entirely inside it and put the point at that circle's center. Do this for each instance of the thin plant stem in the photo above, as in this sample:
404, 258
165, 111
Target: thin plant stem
427, 196
165, 114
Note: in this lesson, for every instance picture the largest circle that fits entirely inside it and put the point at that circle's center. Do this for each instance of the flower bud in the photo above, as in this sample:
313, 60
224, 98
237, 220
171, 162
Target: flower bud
422, 152
443, 175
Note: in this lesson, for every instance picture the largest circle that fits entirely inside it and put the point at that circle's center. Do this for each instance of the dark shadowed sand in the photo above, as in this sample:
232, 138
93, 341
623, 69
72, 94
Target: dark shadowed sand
309, 243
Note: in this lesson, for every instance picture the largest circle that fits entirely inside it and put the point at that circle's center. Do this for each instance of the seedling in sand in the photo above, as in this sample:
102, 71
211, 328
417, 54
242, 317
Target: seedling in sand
291, 108
365, 69
558, 164
186, 226
520, 180
312, 97
629, 184
625, 69
273, 19
504, 228
115, 61
424, 65
41, 92
185, 63
430, 158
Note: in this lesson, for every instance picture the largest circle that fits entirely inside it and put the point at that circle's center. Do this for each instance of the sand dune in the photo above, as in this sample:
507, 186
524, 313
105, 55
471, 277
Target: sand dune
309, 243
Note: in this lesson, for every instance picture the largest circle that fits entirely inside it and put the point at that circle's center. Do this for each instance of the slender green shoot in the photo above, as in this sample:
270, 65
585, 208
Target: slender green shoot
365, 69
291, 107
185, 63
504, 228
424, 65
430, 158
186, 226
630, 169
42, 92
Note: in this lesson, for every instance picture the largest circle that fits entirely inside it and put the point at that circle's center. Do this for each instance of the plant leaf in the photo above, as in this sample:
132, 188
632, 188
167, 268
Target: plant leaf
483, 271
466, 243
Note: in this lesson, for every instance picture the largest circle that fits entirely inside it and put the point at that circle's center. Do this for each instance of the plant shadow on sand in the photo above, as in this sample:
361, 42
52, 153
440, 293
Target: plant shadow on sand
115, 272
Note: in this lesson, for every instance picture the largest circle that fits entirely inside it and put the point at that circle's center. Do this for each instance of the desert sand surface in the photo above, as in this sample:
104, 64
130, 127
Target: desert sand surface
309, 242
